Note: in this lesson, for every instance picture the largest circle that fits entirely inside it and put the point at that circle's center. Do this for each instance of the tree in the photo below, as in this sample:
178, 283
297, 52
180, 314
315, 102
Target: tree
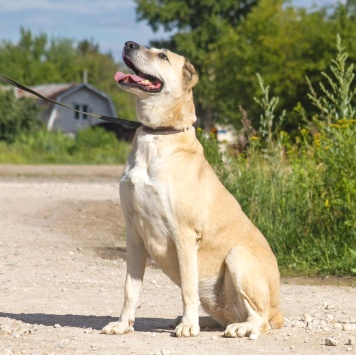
282, 44
17, 116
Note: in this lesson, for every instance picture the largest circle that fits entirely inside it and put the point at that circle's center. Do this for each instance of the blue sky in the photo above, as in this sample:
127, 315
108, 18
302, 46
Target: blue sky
108, 22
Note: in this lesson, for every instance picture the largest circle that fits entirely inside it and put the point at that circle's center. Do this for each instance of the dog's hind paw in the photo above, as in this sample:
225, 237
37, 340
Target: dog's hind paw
117, 328
184, 330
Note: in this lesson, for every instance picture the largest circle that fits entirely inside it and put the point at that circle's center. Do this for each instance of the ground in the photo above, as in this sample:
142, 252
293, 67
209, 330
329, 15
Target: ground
62, 270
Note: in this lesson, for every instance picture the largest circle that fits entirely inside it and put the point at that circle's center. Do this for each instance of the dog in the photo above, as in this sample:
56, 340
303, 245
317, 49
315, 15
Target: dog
178, 211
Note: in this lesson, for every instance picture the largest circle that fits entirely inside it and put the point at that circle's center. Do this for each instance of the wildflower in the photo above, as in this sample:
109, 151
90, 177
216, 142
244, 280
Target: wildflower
317, 142
254, 138
327, 203
303, 131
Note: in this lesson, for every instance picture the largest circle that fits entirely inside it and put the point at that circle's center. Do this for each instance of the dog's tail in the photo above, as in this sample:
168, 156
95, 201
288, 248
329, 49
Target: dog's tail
277, 319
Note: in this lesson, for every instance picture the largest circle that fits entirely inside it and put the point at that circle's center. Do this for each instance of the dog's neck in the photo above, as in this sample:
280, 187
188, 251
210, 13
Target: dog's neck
174, 117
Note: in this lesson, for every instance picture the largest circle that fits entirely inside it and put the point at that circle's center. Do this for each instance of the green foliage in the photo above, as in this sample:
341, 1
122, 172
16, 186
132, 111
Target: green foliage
353, 255
17, 116
283, 44
302, 196
268, 127
91, 146
336, 102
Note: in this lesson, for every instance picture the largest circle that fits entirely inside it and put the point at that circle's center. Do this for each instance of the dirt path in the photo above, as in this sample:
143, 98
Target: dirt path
62, 273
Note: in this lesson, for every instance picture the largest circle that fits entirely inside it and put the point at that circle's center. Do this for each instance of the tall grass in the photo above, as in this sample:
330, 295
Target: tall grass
91, 146
302, 193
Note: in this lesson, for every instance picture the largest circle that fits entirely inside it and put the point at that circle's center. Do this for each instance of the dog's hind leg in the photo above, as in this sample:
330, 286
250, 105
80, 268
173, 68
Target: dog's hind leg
252, 302
136, 262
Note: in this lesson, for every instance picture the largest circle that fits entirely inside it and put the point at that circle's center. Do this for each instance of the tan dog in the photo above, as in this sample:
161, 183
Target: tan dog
178, 211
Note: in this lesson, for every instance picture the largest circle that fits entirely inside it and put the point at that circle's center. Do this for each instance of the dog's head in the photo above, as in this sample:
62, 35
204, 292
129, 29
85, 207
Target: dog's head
157, 71
163, 83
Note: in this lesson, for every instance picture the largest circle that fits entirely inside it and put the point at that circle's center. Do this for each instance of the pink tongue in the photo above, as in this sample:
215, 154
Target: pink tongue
120, 76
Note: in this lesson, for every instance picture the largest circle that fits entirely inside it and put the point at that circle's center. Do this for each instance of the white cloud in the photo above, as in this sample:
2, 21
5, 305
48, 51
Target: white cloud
79, 7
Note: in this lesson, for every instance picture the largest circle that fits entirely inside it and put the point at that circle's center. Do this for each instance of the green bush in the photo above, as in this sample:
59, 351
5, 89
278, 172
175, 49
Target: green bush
17, 116
302, 195
91, 146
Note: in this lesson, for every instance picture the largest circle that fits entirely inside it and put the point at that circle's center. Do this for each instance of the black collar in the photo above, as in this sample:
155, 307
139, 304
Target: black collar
163, 130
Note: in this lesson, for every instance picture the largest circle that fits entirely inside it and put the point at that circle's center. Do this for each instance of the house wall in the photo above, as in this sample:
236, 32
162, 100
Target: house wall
69, 121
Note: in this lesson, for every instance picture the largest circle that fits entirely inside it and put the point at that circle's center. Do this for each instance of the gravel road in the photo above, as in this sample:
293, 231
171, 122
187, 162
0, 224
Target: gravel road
62, 270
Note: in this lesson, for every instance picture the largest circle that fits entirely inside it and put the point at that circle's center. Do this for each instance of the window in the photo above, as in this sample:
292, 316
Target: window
81, 115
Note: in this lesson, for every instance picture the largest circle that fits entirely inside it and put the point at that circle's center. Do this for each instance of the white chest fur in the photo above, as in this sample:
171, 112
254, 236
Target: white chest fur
145, 197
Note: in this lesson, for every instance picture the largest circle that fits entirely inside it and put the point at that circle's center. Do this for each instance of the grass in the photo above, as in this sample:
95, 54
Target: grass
301, 193
91, 146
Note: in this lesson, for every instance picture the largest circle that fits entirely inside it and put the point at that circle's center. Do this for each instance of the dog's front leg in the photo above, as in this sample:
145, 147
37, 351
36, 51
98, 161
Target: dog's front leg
188, 269
136, 262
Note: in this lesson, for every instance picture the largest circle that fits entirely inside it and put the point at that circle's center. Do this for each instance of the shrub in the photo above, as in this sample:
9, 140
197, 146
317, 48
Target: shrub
91, 146
303, 196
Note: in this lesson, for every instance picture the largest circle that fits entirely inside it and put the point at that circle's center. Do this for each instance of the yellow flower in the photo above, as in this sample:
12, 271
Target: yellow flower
254, 138
327, 204
316, 136
317, 142
303, 131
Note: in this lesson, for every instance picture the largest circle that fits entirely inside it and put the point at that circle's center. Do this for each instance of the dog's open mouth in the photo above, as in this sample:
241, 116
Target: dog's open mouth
141, 80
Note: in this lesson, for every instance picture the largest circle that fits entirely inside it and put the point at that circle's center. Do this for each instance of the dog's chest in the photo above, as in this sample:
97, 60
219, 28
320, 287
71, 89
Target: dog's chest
145, 198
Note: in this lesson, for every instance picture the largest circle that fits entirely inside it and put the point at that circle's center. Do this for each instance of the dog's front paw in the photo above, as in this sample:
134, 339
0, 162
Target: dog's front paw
117, 328
187, 330
242, 329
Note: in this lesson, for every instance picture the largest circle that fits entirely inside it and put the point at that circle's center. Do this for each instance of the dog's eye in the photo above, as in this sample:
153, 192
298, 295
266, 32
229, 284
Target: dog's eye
162, 56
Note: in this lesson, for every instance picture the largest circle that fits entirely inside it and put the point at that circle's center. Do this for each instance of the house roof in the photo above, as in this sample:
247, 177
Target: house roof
48, 90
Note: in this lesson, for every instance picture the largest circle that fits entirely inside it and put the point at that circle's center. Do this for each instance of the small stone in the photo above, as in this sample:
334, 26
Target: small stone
57, 326
349, 348
347, 327
166, 352
337, 326
330, 342
351, 341
70, 253
307, 317
330, 306
214, 337
292, 347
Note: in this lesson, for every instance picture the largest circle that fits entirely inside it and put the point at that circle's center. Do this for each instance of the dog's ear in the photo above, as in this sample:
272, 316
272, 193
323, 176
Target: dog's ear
190, 76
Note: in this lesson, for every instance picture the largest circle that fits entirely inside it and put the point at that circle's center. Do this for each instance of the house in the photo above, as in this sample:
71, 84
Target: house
82, 97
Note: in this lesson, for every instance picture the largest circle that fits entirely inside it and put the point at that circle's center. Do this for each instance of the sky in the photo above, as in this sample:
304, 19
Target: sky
110, 23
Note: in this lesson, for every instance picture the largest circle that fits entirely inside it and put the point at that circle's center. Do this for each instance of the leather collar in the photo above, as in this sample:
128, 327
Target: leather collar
163, 130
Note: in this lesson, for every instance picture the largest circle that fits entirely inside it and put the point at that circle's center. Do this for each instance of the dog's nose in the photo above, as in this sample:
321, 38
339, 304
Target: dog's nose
131, 45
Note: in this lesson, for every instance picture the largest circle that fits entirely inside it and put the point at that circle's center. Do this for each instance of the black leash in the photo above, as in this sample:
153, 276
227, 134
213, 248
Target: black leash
119, 121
